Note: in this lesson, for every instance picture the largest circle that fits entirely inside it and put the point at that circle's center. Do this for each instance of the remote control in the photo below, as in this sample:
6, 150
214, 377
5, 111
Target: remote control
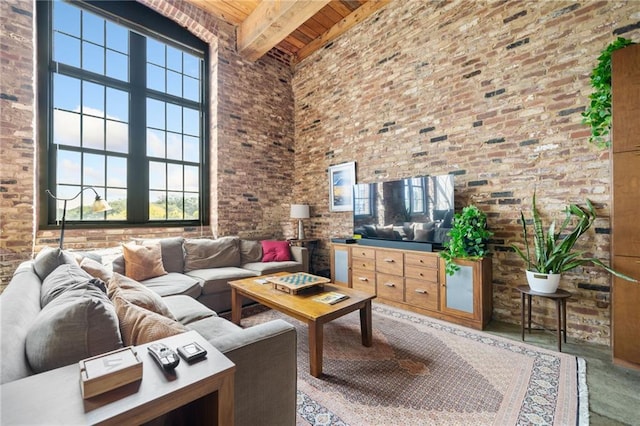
165, 357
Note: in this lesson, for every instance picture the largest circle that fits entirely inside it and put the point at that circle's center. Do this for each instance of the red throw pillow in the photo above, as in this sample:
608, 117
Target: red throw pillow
275, 251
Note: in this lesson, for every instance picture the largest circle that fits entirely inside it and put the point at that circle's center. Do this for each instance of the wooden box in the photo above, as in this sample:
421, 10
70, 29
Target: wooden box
294, 283
108, 371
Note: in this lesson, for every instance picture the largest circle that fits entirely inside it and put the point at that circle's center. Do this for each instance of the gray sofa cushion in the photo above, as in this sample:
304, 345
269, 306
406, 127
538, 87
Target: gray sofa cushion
172, 254
265, 268
174, 283
138, 294
216, 280
250, 251
206, 253
61, 279
81, 322
214, 327
48, 259
186, 309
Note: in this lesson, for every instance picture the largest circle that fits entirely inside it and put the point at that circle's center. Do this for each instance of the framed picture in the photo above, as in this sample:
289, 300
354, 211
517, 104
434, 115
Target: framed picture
342, 177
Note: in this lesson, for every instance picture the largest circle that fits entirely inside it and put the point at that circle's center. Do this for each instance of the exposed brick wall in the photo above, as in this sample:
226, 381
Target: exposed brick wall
251, 141
489, 91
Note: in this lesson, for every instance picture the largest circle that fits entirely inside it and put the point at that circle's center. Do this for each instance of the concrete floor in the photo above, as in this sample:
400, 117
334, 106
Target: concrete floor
614, 392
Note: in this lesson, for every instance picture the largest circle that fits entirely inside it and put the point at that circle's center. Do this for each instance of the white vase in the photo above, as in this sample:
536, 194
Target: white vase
543, 283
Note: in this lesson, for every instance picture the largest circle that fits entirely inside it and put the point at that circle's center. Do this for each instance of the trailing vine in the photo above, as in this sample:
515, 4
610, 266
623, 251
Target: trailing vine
598, 113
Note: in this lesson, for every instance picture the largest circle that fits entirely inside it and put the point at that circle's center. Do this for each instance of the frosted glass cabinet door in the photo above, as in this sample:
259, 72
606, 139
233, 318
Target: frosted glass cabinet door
459, 290
340, 265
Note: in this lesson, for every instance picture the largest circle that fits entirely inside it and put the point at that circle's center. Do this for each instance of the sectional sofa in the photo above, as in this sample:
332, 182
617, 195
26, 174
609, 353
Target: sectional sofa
59, 309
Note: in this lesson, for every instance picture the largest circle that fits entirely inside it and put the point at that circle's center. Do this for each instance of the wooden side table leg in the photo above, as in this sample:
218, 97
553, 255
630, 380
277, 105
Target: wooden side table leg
225, 401
315, 348
564, 319
522, 308
366, 328
236, 306
529, 307
559, 315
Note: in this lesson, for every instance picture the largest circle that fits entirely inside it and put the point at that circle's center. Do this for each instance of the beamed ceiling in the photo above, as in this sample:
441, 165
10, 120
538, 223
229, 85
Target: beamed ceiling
296, 28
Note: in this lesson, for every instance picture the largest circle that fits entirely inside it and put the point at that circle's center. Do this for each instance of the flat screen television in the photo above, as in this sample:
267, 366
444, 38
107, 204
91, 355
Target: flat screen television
417, 210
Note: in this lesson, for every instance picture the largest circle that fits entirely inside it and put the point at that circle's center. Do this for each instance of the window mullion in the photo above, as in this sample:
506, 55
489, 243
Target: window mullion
138, 166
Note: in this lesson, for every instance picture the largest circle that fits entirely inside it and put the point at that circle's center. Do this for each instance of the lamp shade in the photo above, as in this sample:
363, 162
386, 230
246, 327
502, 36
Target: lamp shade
299, 211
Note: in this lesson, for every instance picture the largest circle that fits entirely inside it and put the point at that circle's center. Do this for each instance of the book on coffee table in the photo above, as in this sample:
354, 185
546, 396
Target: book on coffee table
331, 298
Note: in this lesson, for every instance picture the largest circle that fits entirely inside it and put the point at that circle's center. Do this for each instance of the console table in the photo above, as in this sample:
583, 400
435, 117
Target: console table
54, 397
310, 244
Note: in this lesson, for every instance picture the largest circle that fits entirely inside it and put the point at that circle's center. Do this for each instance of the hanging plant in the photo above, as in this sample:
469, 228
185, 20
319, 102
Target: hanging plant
598, 113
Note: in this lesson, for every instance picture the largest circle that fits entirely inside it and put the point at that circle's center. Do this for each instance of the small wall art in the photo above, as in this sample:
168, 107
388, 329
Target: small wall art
342, 177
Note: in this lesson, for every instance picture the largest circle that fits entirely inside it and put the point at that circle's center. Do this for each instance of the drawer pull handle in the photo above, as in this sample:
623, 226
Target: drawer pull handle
421, 274
364, 265
389, 260
363, 278
390, 284
421, 291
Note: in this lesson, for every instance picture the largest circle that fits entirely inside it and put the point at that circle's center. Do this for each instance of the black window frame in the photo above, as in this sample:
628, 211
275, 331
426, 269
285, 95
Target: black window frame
142, 20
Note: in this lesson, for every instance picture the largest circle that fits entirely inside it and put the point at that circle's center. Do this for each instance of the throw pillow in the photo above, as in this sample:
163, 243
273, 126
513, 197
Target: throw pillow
423, 235
138, 294
275, 251
48, 259
81, 322
143, 261
250, 251
139, 325
206, 253
95, 269
172, 254
62, 279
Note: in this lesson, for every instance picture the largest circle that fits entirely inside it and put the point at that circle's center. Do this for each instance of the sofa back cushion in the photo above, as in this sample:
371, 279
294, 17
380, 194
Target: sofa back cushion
250, 251
79, 323
63, 278
206, 253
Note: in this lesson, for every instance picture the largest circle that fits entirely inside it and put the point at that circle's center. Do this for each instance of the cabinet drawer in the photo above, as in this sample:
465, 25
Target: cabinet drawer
390, 287
418, 273
364, 264
426, 260
363, 253
390, 262
363, 280
422, 294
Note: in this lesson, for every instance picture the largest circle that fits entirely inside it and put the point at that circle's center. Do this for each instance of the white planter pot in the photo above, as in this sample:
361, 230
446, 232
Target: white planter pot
543, 283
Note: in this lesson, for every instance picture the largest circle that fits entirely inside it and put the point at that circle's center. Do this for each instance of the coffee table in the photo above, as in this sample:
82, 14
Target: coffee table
303, 308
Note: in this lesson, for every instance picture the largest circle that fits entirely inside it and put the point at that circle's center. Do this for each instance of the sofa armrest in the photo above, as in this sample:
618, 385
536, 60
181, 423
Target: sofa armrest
266, 372
301, 255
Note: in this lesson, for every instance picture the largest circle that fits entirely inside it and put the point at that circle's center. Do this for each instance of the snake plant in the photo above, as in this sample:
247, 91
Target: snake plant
553, 251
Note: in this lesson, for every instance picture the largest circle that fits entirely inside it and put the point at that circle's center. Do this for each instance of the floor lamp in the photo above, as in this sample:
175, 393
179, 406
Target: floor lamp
300, 211
99, 205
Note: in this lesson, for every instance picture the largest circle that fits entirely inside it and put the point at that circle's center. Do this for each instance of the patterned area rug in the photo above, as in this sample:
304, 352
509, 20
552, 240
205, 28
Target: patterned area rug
424, 371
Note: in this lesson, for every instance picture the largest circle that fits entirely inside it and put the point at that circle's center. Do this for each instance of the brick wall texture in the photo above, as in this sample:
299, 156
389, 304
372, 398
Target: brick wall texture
489, 91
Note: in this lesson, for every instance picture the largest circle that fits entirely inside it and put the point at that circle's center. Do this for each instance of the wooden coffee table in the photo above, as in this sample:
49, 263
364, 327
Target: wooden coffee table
303, 308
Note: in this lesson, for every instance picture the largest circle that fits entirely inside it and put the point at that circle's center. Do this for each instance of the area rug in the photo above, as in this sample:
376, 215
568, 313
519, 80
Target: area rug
428, 372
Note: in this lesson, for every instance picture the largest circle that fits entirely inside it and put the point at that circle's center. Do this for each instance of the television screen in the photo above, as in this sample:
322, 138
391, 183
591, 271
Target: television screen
417, 209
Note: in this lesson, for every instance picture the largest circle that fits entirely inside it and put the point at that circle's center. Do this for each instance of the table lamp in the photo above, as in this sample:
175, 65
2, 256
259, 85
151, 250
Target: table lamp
300, 211
99, 205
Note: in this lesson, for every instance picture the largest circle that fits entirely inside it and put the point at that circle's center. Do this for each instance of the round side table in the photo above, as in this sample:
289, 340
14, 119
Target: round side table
560, 297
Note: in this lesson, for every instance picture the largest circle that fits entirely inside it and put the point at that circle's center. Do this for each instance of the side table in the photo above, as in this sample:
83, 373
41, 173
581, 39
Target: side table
560, 297
310, 244
54, 397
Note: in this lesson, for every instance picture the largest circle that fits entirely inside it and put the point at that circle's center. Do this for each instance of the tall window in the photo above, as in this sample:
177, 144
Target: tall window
124, 108
414, 191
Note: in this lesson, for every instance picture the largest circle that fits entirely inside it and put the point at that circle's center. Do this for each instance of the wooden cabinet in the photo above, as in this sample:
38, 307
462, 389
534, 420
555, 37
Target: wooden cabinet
415, 280
625, 228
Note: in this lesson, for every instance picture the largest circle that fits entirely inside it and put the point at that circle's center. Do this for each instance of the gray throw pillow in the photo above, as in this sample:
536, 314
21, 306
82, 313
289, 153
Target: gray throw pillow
250, 251
48, 259
60, 280
205, 253
81, 322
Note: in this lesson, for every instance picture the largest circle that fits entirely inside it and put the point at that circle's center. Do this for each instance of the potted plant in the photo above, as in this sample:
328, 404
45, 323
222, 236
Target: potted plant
553, 251
469, 238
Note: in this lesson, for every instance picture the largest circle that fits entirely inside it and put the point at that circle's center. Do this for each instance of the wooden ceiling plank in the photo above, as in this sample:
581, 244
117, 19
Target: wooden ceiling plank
341, 27
226, 10
340, 8
272, 22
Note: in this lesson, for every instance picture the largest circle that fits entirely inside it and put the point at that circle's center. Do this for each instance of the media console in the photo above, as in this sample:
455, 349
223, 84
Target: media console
416, 280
